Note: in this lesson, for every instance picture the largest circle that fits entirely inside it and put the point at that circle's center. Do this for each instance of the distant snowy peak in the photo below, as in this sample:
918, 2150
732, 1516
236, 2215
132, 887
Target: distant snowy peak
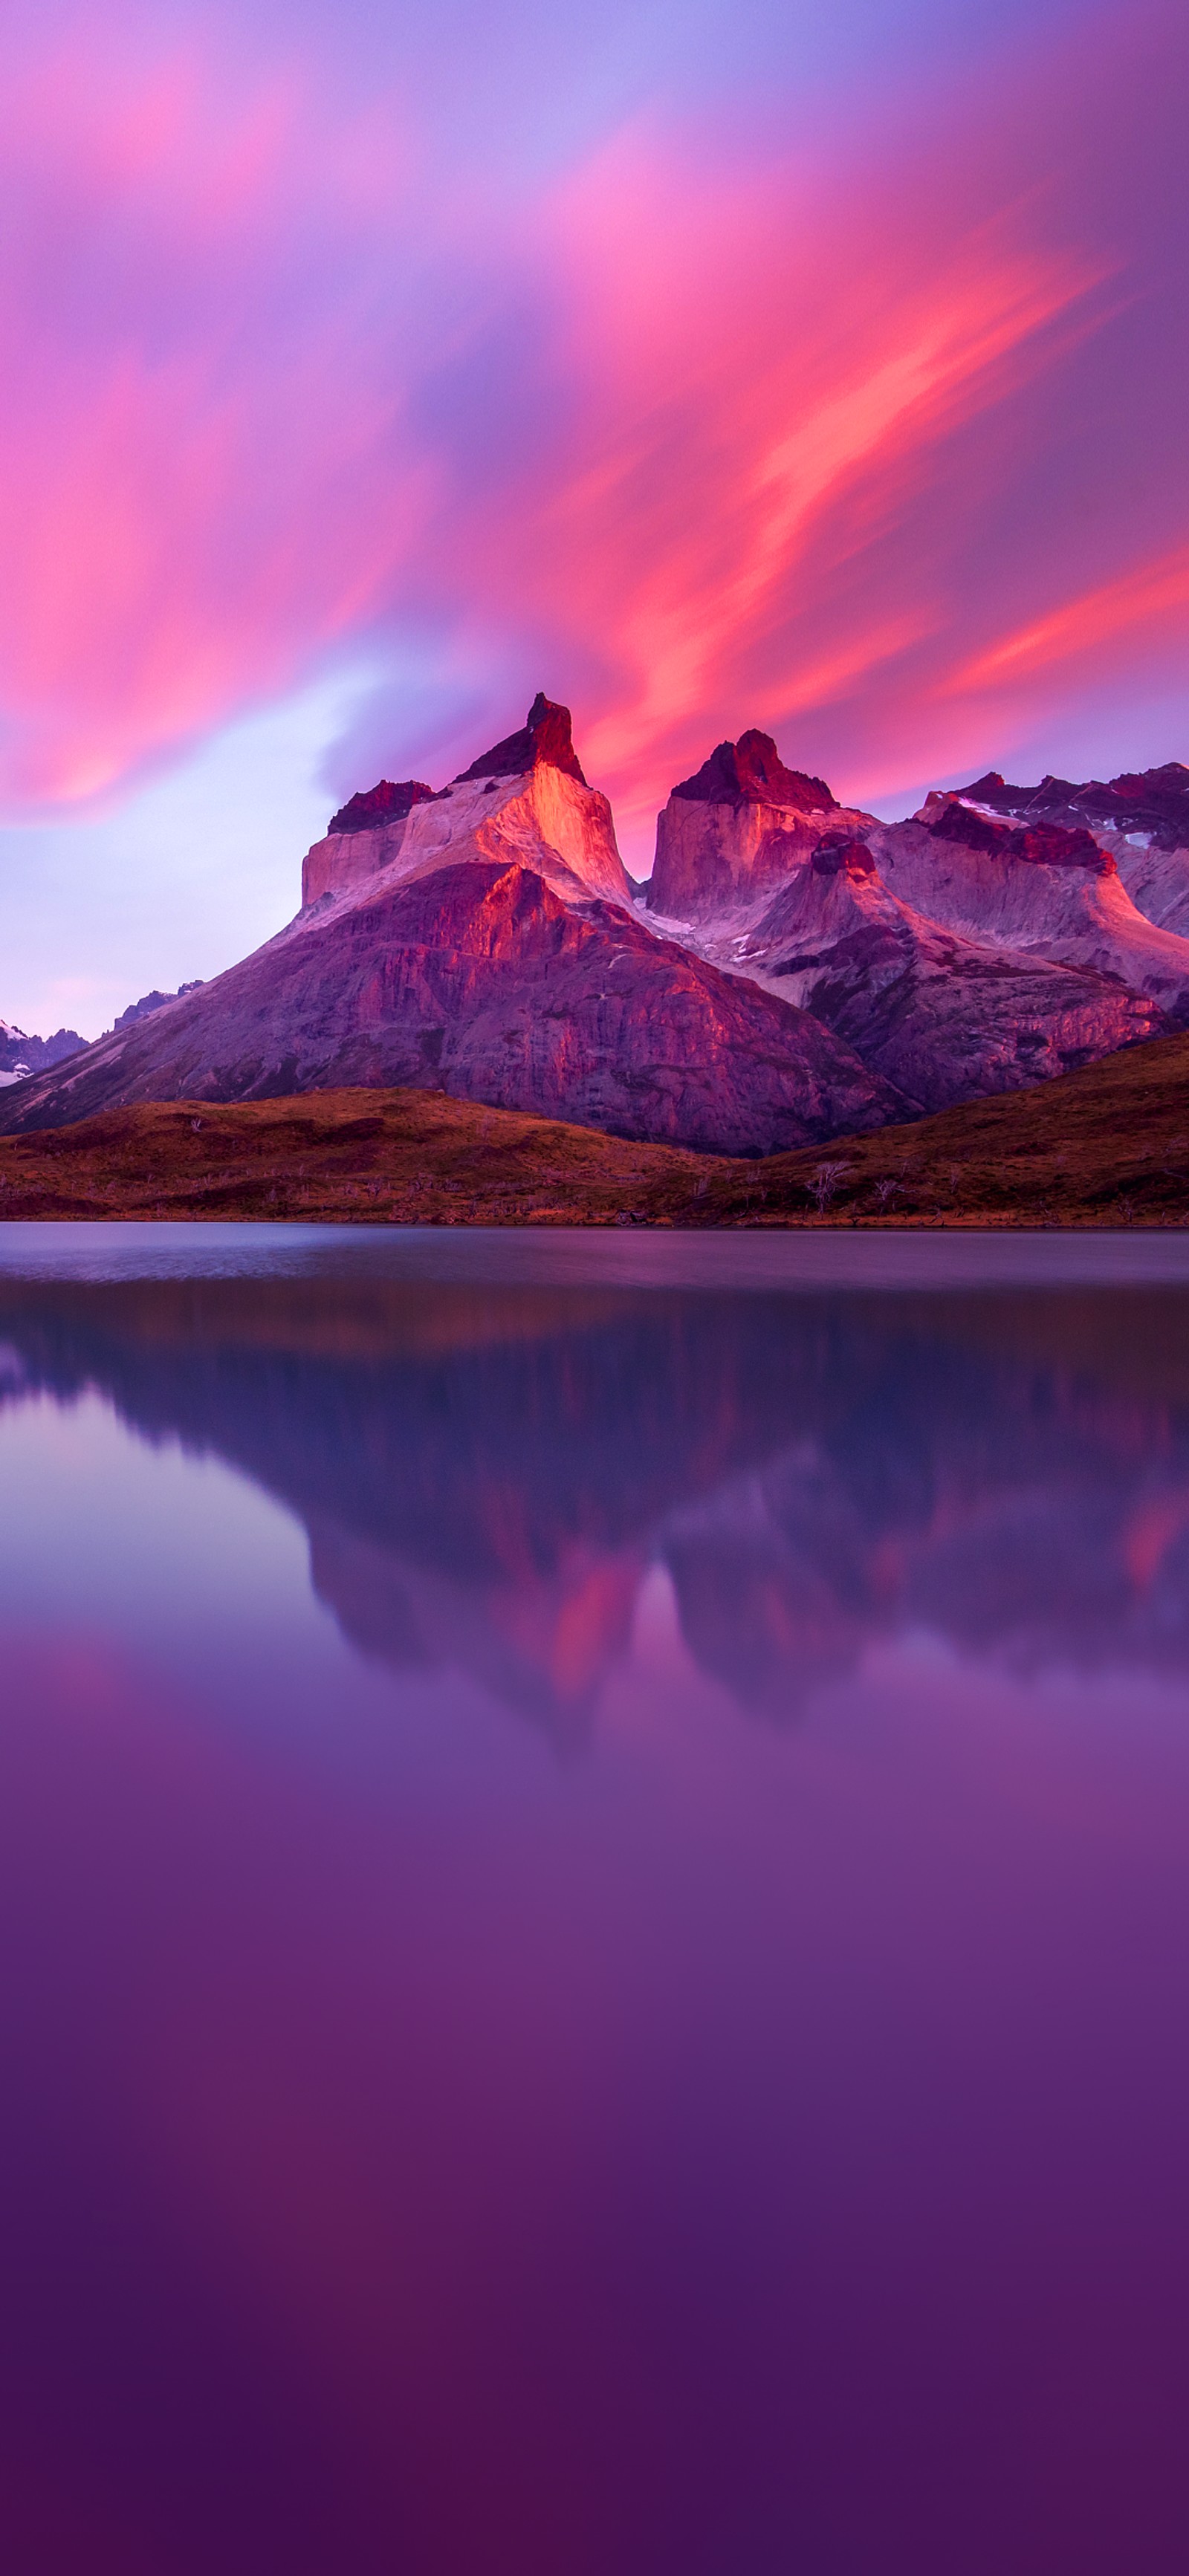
1154, 802
21, 1055
1039, 843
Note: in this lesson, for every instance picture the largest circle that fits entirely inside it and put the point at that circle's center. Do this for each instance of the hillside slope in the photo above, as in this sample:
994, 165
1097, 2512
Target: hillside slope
1105, 1146
1108, 1145
480, 981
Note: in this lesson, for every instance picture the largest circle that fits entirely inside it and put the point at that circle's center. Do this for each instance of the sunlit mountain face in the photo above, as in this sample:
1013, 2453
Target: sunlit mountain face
593, 1876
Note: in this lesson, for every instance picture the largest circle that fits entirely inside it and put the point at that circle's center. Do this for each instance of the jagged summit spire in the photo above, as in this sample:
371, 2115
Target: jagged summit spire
751, 772
546, 734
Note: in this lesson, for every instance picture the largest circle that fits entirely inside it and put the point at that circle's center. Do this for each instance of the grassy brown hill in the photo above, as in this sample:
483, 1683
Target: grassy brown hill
394, 1157
1106, 1146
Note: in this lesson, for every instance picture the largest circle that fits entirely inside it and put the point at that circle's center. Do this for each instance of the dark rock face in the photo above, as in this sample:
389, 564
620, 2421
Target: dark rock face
387, 803
1155, 801
751, 772
835, 857
545, 735
1046, 845
478, 980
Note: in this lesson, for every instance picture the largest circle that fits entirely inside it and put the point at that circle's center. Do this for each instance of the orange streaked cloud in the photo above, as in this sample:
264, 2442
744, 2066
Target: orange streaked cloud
1153, 594
700, 417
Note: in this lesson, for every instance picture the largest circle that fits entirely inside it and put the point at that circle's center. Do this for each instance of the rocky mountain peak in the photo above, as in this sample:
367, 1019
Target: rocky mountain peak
389, 802
1152, 801
751, 772
21, 1054
546, 735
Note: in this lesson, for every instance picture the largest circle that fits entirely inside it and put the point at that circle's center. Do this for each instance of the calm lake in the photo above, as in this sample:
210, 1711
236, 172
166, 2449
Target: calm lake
594, 1868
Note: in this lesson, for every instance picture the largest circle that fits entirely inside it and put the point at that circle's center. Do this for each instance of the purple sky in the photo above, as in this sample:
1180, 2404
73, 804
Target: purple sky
366, 369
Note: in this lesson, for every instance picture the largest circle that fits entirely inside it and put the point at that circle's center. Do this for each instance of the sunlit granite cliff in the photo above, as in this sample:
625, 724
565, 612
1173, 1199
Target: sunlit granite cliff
525, 800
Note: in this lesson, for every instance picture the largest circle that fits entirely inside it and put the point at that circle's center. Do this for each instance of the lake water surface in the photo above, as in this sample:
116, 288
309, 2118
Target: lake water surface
594, 1872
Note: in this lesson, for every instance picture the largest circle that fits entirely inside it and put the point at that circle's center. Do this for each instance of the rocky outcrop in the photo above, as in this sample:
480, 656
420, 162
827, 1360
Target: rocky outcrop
478, 980
733, 832
155, 1001
545, 736
526, 799
389, 802
958, 954
1047, 845
1157, 880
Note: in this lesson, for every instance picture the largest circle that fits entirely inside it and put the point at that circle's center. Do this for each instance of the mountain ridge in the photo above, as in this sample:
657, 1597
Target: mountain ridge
794, 969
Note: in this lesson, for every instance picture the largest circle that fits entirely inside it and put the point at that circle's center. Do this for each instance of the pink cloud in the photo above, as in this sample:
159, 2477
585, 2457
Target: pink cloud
1152, 594
695, 427
820, 415
193, 439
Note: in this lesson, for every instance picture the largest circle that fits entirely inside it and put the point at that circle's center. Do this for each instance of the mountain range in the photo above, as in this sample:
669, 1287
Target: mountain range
793, 970
21, 1054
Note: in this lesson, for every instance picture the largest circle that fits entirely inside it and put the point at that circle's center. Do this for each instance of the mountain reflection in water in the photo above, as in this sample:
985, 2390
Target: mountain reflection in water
486, 1478
625, 2018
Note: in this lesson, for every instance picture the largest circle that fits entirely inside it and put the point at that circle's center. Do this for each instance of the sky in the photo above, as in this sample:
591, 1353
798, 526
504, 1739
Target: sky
368, 367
